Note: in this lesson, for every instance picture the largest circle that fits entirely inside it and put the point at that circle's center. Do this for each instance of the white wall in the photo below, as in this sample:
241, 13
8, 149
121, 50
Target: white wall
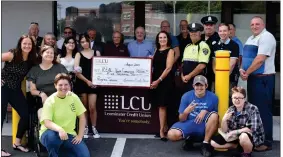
17, 16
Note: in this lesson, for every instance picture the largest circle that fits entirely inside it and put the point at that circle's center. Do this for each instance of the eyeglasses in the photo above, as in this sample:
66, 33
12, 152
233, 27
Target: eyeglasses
238, 98
67, 32
34, 23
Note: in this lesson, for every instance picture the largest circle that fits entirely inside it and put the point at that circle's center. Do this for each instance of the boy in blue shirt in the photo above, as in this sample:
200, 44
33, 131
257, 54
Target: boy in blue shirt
198, 116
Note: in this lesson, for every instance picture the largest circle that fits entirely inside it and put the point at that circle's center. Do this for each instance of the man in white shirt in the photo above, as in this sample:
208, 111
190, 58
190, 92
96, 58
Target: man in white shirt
259, 70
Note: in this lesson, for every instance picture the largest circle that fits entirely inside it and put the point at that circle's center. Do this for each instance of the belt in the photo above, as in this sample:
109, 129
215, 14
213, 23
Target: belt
261, 75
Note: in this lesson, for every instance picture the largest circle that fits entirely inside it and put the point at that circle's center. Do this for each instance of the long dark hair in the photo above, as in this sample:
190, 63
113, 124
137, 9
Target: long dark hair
18, 52
169, 41
64, 50
86, 36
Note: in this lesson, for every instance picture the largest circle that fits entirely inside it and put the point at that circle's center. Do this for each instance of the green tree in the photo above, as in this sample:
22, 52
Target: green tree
198, 7
60, 27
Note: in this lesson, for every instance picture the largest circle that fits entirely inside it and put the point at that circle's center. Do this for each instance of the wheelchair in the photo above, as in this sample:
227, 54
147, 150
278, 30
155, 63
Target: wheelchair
33, 135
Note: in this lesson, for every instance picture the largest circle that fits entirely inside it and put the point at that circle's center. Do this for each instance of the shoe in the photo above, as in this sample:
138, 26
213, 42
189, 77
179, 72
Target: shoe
164, 139
262, 148
95, 133
86, 132
188, 144
246, 155
206, 150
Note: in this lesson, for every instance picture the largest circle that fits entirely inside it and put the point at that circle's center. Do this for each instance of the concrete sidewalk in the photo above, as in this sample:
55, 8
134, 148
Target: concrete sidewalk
132, 145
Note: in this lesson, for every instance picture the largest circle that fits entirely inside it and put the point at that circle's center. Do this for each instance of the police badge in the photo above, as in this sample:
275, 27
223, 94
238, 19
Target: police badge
205, 51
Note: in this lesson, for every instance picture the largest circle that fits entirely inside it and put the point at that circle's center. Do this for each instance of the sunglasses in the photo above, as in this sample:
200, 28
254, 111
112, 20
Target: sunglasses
34, 23
67, 32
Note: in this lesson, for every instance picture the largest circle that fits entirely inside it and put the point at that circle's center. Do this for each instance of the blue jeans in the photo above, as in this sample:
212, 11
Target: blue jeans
51, 140
260, 93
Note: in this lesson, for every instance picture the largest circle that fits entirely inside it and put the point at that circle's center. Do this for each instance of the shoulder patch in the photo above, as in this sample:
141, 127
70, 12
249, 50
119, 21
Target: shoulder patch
188, 45
205, 51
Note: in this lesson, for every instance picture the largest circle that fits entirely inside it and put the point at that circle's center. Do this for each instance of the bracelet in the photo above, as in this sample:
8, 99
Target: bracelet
39, 93
237, 132
160, 79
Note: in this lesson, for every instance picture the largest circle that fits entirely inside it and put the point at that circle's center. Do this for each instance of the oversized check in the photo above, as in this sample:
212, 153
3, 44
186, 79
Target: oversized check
121, 72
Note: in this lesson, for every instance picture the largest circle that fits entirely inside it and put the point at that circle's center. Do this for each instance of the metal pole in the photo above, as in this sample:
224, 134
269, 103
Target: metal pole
174, 18
222, 73
208, 8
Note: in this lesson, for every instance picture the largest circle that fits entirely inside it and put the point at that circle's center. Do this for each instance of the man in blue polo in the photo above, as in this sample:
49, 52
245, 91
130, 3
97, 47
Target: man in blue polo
237, 40
140, 47
259, 70
198, 116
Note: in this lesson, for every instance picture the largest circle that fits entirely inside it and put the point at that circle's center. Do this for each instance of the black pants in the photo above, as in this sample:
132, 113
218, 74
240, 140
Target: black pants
17, 100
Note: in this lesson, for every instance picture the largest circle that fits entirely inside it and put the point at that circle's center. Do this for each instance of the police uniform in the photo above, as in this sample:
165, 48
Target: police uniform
212, 40
194, 54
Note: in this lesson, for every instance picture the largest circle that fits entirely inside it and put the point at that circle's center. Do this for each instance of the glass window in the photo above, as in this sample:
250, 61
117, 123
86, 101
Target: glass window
243, 13
254, 7
175, 11
104, 17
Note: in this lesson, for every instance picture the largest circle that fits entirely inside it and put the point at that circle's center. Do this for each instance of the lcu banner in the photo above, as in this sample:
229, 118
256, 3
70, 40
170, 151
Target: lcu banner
126, 110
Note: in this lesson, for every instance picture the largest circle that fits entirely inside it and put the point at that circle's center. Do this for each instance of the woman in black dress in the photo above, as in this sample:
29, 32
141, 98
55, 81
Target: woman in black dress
17, 64
83, 85
163, 78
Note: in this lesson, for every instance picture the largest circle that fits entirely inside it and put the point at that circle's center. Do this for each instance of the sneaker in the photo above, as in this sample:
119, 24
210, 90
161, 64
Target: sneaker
86, 132
246, 155
206, 150
95, 133
188, 144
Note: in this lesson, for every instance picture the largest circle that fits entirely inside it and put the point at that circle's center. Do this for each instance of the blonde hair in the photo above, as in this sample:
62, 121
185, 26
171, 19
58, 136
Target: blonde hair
43, 41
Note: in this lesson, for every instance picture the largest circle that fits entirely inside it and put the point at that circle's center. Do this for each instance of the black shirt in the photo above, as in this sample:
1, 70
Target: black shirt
112, 50
210, 41
233, 47
183, 42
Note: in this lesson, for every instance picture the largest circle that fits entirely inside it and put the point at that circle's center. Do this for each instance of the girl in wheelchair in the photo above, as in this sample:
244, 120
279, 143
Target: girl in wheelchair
58, 121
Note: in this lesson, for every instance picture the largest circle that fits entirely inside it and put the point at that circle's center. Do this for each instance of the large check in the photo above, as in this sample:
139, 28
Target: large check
121, 72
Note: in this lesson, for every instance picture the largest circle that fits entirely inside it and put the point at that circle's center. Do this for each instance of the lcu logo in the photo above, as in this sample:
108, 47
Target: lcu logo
101, 61
72, 106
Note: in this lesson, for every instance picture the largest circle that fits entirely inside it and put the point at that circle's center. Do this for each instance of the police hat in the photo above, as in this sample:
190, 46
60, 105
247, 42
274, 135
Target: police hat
209, 20
194, 27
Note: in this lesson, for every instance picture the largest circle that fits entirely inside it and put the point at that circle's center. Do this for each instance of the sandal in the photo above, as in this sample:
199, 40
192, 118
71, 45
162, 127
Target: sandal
20, 148
5, 153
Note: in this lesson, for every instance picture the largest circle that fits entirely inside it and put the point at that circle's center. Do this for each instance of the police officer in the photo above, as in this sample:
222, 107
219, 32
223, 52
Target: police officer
211, 37
196, 56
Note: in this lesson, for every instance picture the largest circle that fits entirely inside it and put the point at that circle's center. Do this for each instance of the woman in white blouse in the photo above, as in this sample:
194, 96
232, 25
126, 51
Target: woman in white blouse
68, 52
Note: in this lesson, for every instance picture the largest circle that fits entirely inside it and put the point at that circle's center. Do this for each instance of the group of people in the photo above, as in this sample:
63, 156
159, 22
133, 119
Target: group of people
247, 121
184, 64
